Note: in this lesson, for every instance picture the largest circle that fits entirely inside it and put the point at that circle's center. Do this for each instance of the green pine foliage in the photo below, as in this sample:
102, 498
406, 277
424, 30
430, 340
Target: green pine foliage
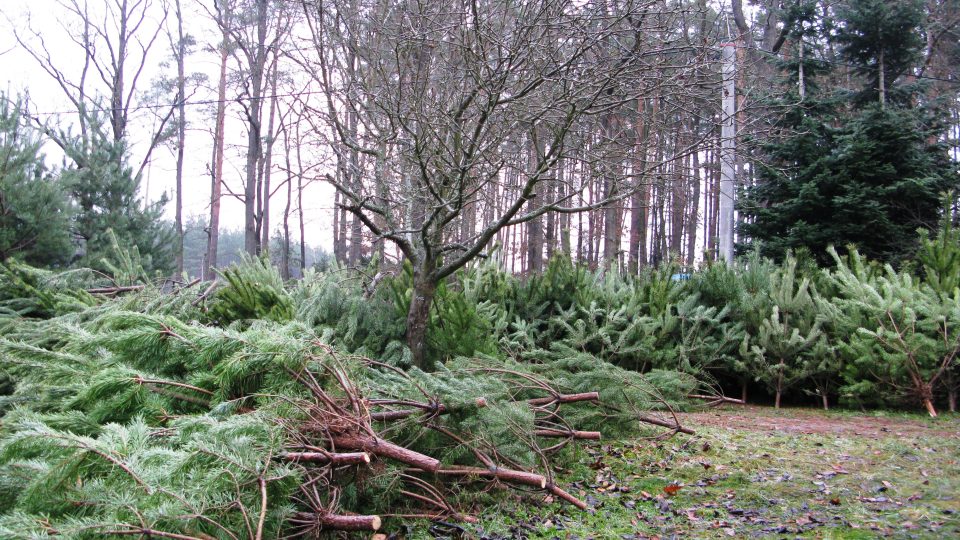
35, 211
908, 335
106, 193
254, 290
790, 327
26, 291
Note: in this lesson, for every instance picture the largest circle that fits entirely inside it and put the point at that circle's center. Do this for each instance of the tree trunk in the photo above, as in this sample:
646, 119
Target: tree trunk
928, 404
826, 401
213, 233
782, 367
743, 391
611, 237
285, 258
883, 98
418, 318
952, 399
268, 164
181, 133
251, 241
694, 208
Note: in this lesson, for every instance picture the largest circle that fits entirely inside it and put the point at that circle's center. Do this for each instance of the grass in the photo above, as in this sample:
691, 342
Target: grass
819, 475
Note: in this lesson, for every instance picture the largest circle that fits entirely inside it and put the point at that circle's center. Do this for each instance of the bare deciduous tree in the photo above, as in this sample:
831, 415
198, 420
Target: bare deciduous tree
457, 101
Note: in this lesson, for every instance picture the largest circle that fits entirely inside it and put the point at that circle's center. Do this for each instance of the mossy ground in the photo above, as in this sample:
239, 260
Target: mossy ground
752, 472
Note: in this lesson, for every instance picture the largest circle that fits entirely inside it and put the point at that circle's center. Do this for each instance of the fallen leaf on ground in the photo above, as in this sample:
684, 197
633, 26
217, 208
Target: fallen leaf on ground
671, 489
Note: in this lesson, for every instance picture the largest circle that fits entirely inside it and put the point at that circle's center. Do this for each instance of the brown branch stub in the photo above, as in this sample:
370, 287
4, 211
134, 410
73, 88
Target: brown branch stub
341, 522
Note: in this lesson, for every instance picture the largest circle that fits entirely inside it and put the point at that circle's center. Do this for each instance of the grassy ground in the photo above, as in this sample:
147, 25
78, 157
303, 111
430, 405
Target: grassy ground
756, 472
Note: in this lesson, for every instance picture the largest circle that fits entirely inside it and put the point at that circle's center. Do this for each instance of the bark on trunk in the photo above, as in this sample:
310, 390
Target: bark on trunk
350, 458
181, 133
340, 522
417, 320
254, 146
268, 164
213, 233
505, 475
928, 404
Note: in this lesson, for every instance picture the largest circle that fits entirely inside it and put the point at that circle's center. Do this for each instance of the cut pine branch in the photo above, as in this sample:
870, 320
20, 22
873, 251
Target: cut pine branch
661, 423
565, 398
383, 448
553, 489
559, 433
716, 400
425, 408
339, 522
115, 290
347, 458
496, 473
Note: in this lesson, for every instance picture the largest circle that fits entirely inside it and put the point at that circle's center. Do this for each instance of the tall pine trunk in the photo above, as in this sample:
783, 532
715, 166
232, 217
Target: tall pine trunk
268, 163
181, 132
213, 233
251, 191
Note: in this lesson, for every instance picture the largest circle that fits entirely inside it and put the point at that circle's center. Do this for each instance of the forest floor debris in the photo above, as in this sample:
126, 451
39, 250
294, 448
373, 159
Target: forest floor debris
819, 475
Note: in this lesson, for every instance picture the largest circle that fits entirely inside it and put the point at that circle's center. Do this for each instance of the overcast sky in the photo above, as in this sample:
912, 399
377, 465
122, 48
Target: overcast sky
24, 75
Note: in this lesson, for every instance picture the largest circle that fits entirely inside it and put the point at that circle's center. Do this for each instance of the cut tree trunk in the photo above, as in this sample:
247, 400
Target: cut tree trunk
661, 423
565, 398
504, 475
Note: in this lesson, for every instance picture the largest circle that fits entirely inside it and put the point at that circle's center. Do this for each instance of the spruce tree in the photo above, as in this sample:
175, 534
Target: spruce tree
868, 174
882, 38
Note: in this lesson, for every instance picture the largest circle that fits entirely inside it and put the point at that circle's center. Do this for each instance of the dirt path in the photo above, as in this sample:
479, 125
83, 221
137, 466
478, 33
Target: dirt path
813, 421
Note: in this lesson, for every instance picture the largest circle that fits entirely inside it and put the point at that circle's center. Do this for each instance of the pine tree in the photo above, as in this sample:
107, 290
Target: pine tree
939, 258
907, 337
790, 329
35, 212
107, 196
